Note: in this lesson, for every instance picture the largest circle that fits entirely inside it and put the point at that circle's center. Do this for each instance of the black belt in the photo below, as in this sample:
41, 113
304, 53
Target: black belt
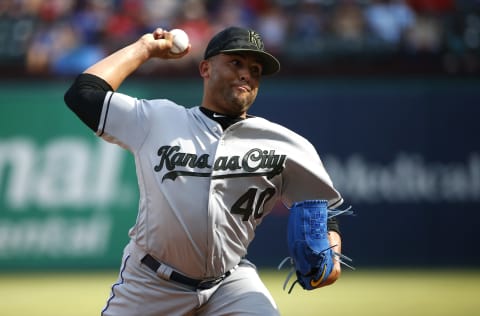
153, 264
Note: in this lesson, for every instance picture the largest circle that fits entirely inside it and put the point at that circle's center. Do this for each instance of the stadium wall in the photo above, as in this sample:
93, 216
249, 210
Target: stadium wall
404, 152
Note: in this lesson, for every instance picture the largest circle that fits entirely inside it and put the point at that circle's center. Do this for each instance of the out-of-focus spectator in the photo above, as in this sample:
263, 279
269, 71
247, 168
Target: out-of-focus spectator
194, 20
63, 42
432, 6
389, 20
462, 41
48, 45
308, 23
17, 27
229, 12
89, 19
426, 36
52, 10
307, 30
348, 22
124, 24
349, 26
428, 33
272, 24
62, 36
161, 13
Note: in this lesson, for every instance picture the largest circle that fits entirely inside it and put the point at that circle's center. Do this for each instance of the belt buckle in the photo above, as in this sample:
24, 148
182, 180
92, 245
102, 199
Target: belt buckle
209, 283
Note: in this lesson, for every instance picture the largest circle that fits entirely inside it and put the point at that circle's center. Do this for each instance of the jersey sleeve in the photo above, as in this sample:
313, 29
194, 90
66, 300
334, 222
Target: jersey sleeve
123, 120
305, 177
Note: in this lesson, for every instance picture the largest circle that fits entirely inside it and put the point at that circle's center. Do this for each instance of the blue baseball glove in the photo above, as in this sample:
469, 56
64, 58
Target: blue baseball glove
311, 255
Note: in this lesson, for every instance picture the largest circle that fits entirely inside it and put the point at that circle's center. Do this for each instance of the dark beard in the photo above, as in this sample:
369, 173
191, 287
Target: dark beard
238, 105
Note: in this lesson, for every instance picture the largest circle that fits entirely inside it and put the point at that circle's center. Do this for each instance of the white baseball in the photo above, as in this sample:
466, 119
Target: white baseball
180, 41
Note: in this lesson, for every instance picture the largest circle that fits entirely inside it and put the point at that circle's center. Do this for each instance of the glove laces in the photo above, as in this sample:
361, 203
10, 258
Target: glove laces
336, 256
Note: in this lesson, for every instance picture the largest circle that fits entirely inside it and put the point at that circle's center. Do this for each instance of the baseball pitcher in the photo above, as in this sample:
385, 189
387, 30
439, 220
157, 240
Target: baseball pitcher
207, 177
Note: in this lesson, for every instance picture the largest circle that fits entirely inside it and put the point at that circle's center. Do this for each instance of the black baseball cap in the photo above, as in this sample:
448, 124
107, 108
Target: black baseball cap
236, 39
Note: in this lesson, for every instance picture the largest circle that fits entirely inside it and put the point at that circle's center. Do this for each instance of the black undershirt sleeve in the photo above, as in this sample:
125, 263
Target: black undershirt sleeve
332, 224
85, 98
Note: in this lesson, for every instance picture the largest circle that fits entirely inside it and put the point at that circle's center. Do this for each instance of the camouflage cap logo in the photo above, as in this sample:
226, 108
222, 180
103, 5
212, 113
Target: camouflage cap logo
255, 39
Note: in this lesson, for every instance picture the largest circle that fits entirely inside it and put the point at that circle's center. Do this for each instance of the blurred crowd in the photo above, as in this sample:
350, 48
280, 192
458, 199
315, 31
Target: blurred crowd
63, 37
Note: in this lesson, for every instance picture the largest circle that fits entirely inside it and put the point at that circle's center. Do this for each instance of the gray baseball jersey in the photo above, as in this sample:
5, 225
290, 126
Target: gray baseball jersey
203, 191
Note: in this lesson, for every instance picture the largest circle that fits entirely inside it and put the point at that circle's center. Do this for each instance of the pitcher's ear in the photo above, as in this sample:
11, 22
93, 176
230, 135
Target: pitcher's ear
204, 68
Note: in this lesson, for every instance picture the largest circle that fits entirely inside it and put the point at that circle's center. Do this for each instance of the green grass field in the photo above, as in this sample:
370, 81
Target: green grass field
371, 292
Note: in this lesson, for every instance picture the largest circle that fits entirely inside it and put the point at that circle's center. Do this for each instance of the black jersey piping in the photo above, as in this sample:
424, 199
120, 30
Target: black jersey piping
106, 114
